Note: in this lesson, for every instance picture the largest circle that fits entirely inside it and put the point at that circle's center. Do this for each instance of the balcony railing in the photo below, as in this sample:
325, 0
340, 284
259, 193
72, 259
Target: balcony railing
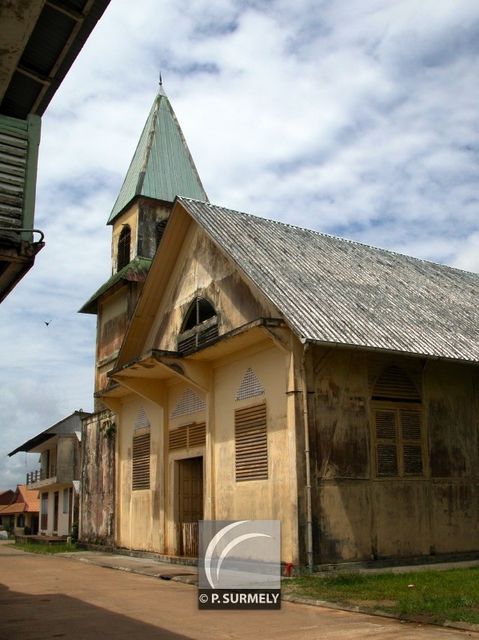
40, 474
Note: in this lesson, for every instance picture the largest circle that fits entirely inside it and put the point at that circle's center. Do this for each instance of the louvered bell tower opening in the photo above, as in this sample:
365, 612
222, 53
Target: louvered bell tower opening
398, 437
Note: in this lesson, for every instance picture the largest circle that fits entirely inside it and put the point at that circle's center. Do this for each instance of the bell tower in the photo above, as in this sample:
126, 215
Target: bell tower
161, 169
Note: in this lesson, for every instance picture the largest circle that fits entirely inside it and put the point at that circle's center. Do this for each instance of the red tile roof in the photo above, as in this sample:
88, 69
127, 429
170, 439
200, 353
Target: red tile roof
24, 501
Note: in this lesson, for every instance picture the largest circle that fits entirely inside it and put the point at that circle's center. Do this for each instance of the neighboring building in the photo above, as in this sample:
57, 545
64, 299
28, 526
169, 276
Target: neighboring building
5, 499
57, 479
20, 516
39, 42
271, 372
161, 168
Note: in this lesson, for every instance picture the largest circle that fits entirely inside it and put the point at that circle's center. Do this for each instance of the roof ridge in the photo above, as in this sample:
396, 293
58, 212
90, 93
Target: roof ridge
331, 236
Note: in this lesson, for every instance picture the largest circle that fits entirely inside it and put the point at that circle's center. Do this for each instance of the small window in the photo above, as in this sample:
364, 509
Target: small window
141, 461
200, 326
44, 511
65, 501
251, 443
20, 521
397, 425
160, 230
124, 243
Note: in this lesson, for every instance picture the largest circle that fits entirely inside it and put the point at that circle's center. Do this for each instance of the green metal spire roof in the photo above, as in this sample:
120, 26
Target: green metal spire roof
162, 166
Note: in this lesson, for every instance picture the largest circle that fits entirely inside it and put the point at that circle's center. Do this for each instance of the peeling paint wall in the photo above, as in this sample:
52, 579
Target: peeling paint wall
360, 516
97, 502
202, 270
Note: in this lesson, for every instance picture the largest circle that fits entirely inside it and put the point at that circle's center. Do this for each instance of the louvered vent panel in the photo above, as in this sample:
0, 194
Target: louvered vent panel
250, 386
141, 462
395, 384
410, 424
412, 459
207, 335
386, 459
196, 435
177, 439
186, 345
251, 443
13, 161
386, 424
192, 435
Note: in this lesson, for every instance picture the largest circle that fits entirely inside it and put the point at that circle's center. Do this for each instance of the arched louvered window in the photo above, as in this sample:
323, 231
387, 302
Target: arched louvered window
398, 433
160, 229
123, 256
200, 326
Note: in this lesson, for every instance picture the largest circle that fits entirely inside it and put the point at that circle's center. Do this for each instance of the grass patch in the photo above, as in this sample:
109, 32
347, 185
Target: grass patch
43, 547
435, 596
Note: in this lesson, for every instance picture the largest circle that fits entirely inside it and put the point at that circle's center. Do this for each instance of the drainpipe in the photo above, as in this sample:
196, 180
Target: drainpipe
307, 462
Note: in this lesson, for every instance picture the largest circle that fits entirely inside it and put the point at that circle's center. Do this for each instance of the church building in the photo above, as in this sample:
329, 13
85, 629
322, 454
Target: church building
250, 369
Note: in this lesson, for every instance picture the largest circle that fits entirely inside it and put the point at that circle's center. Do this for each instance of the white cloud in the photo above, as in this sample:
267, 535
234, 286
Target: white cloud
358, 118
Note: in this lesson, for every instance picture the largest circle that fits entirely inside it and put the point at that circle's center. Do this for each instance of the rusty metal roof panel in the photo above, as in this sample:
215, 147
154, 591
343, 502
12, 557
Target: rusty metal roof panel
162, 166
332, 290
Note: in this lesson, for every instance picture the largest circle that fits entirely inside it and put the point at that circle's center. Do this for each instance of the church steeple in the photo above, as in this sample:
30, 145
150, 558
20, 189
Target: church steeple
162, 167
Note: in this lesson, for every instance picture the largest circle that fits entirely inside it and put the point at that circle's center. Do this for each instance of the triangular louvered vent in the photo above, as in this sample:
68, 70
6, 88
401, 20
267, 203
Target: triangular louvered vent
141, 419
395, 384
189, 402
250, 386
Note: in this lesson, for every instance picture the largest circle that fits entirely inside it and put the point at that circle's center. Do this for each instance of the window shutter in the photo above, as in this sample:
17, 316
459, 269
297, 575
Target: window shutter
386, 448
251, 443
411, 436
192, 435
399, 445
387, 464
141, 462
196, 435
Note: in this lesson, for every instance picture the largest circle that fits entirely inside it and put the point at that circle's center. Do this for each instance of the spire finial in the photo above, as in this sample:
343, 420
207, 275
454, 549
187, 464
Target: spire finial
161, 91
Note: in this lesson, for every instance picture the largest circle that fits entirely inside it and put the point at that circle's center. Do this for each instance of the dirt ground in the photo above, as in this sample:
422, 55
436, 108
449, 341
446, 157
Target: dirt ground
53, 597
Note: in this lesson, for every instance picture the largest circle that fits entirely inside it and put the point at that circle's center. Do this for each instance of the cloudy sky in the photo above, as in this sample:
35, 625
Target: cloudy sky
357, 118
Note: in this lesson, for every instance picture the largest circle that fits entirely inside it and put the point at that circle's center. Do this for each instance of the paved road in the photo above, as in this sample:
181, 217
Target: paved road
50, 597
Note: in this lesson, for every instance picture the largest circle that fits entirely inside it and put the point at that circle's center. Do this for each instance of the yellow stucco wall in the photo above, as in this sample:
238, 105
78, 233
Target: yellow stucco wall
274, 498
140, 513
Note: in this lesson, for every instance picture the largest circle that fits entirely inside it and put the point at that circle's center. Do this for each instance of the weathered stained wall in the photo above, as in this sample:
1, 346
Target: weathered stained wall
68, 459
140, 513
142, 217
360, 516
202, 270
273, 498
97, 503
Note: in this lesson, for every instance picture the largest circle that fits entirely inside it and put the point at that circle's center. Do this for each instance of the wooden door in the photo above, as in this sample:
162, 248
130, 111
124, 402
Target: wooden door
190, 503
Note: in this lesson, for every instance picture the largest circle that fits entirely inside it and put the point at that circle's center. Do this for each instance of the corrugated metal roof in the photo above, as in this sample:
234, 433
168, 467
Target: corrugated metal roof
332, 290
162, 166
